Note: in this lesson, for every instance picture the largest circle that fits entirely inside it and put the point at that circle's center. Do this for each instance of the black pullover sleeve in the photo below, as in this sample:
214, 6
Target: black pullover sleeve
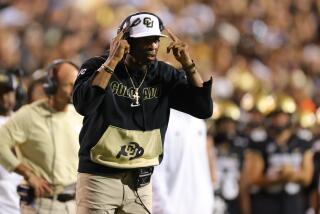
185, 97
87, 98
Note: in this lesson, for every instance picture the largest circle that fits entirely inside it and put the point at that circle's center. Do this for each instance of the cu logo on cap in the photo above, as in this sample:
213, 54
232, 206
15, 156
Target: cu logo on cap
147, 22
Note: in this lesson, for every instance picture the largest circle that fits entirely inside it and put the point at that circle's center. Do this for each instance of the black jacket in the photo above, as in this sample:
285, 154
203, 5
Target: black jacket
163, 88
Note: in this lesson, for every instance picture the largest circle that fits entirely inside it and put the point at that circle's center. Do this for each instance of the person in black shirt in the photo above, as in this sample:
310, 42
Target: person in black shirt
125, 97
281, 166
229, 151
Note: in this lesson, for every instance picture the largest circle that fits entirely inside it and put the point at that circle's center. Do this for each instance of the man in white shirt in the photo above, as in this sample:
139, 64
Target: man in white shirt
182, 183
9, 198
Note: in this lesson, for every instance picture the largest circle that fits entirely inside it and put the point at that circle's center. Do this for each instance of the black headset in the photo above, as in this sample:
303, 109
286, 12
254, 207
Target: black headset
51, 83
126, 23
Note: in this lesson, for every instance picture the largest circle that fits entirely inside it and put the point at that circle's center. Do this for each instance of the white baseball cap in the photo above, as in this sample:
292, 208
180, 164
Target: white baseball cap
143, 25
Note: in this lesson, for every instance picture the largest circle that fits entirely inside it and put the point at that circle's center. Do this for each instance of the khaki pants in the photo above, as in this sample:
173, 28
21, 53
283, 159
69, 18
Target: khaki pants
49, 206
111, 194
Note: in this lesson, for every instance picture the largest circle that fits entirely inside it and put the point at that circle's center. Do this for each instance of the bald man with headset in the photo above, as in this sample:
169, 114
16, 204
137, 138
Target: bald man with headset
125, 97
46, 132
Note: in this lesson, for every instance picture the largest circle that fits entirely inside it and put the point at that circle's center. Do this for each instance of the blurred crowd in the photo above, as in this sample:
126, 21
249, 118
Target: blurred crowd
249, 46
256, 50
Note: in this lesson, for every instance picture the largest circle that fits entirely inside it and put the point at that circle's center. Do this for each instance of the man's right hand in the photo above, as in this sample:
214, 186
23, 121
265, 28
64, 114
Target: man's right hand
41, 186
118, 48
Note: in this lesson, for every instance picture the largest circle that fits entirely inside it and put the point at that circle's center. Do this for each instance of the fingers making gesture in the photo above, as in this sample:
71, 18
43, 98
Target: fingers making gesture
119, 46
181, 53
179, 49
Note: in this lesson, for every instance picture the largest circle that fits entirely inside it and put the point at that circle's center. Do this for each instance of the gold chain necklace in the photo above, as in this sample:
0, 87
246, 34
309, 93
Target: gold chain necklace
135, 96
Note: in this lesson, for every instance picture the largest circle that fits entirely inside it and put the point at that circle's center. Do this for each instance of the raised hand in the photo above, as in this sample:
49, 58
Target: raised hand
179, 49
118, 47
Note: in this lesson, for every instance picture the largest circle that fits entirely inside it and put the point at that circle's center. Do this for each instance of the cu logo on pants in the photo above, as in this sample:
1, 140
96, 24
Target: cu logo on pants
147, 22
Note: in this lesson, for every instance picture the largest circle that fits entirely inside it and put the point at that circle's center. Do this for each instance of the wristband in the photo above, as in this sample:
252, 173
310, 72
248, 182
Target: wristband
190, 67
106, 69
